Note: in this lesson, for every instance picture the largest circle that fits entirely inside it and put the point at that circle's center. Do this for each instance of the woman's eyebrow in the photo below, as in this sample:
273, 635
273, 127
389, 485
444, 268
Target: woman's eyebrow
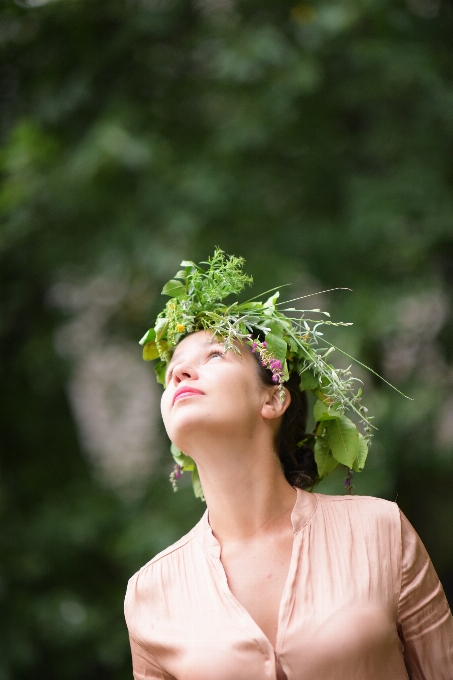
206, 344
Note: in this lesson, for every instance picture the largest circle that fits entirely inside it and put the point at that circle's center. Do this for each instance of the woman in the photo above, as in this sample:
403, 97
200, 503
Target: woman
274, 582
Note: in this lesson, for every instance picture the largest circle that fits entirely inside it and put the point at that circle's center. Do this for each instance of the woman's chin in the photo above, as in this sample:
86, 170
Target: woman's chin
187, 425
192, 429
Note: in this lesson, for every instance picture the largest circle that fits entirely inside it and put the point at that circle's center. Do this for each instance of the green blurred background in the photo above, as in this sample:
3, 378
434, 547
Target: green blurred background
316, 140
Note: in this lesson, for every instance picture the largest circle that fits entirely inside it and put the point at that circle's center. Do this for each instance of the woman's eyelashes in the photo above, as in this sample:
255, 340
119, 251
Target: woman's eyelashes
216, 353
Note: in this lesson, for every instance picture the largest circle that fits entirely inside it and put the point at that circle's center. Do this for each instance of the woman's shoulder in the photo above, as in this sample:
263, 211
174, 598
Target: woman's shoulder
169, 559
146, 586
364, 526
360, 508
158, 583
378, 502
165, 556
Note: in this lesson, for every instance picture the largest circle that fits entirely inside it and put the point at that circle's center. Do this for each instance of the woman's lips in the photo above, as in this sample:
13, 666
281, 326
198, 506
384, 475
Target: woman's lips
183, 392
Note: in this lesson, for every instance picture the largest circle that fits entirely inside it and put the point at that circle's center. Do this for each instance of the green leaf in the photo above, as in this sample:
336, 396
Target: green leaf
293, 344
308, 381
197, 488
272, 300
252, 320
323, 412
188, 263
149, 336
359, 462
182, 274
186, 462
160, 369
276, 328
343, 439
285, 371
305, 352
323, 457
276, 346
161, 327
174, 289
150, 351
250, 305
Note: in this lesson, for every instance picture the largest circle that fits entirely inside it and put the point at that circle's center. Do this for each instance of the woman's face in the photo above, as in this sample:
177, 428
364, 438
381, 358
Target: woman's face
211, 392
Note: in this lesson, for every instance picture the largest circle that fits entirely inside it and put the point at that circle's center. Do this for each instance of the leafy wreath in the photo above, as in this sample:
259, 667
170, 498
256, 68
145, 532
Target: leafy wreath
285, 340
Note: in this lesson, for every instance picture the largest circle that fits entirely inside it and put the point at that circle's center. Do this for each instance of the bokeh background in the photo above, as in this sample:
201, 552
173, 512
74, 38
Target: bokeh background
316, 140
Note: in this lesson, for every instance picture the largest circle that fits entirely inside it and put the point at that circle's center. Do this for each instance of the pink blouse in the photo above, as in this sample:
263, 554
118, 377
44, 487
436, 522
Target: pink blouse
361, 602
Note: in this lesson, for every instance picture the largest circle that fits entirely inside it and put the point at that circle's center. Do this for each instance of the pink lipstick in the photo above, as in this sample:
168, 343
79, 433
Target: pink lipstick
185, 391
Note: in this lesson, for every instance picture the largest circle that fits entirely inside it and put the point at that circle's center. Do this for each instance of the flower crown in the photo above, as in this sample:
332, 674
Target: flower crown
292, 343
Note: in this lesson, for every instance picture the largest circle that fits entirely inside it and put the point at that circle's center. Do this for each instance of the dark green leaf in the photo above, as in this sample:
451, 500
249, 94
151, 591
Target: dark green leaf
359, 462
325, 462
323, 412
343, 439
308, 381
276, 346
276, 328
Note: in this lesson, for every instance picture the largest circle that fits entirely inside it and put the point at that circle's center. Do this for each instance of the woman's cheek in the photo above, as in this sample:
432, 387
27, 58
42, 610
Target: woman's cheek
164, 404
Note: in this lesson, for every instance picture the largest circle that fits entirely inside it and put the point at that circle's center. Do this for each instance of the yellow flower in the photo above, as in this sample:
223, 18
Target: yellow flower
180, 327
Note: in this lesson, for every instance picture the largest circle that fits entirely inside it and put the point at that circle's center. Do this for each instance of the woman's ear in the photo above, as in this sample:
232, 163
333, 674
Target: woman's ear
274, 407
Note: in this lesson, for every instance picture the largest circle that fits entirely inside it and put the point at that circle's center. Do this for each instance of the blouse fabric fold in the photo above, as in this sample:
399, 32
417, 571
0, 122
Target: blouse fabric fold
361, 602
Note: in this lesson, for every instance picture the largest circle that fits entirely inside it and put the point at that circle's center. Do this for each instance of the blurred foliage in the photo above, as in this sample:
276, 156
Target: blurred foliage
315, 139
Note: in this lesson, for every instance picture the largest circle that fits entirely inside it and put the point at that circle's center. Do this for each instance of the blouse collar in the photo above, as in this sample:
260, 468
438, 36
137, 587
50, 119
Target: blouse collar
303, 510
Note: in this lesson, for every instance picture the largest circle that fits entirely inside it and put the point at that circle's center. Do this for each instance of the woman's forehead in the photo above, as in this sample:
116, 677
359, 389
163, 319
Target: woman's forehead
197, 341
194, 342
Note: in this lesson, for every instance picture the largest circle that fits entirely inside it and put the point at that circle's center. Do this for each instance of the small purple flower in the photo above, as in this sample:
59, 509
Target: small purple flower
176, 474
348, 482
271, 363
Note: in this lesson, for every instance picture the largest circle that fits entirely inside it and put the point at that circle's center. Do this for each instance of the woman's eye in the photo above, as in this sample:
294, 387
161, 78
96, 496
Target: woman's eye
215, 353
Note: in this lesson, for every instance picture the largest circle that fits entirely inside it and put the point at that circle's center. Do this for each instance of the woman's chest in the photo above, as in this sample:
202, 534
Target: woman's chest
331, 626
256, 577
336, 617
343, 640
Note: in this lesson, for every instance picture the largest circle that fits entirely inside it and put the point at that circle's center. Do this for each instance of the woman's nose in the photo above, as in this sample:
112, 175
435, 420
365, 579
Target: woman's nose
184, 371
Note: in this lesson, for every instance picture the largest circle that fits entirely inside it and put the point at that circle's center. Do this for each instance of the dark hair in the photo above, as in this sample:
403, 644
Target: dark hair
297, 460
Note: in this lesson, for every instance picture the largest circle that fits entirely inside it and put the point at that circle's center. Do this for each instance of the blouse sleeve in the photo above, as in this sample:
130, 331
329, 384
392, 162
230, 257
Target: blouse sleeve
144, 665
424, 618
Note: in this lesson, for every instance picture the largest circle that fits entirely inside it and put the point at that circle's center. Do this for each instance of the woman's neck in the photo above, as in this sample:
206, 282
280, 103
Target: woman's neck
245, 488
